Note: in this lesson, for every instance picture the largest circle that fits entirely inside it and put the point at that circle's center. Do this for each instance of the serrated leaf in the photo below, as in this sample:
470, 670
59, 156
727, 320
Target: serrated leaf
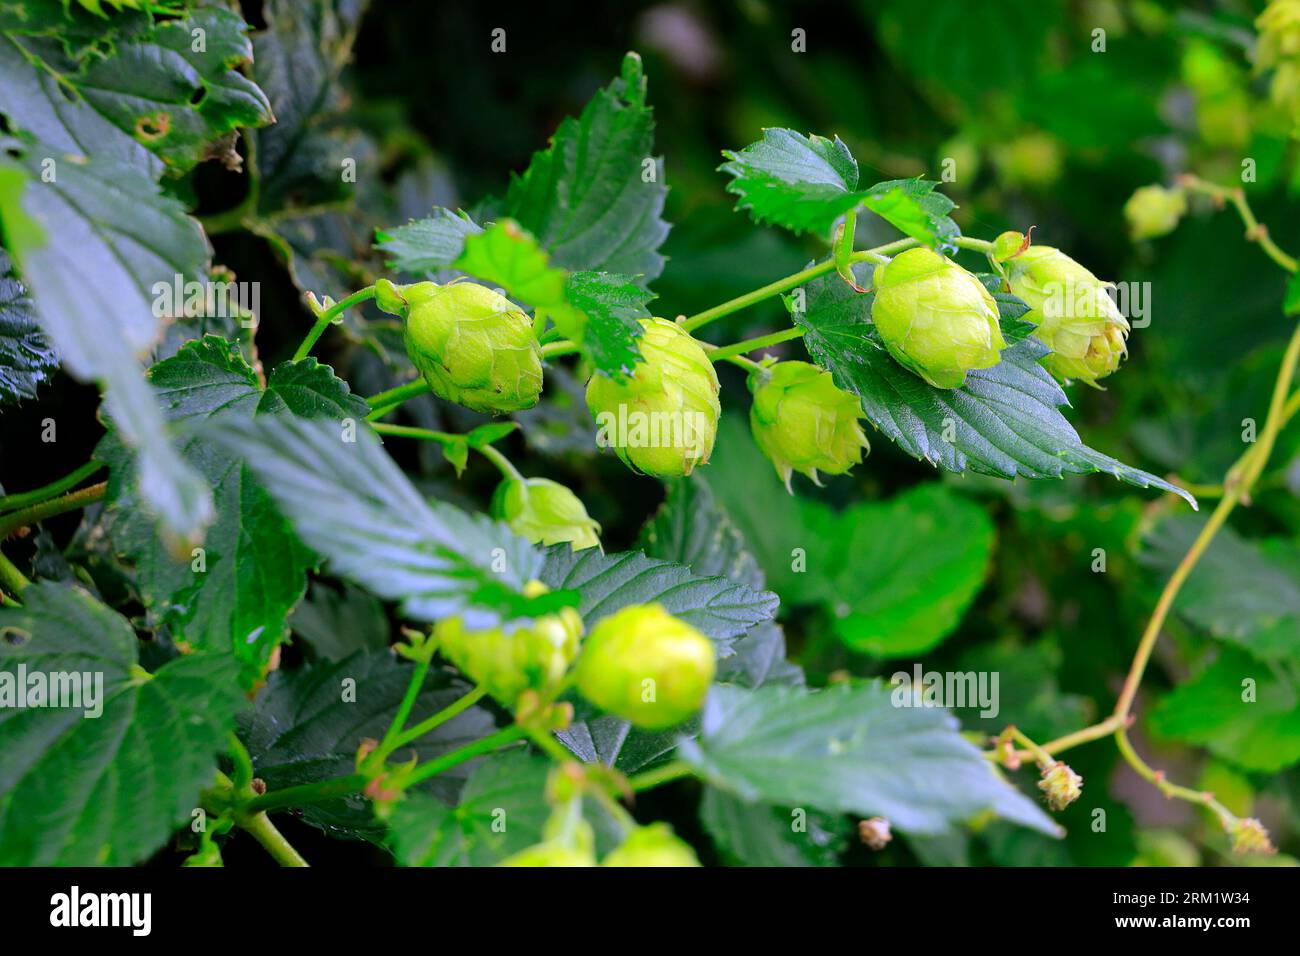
586, 197
426, 245
109, 221
298, 61
755, 834
848, 749
1238, 708
337, 622
720, 609
348, 501
805, 183
501, 810
82, 790
596, 310
26, 357
1245, 592
304, 728
693, 529
130, 88
760, 658
914, 208
253, 569
1005, 421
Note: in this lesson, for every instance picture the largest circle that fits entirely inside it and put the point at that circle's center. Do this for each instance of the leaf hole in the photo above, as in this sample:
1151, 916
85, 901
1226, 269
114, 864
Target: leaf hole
14, 636
153, 126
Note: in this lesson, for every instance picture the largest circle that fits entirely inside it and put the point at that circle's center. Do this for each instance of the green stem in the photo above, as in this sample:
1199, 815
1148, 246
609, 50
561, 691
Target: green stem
978, 245
327, 317
501, 461
260, 827
243, 764
53, 489
673, 770
1256, 231
844, 247
404, 709
554, 749
11, 579
306, 794
468, 752
749, 345
456, 707
560, 347
411, 431
385, 402
48, 509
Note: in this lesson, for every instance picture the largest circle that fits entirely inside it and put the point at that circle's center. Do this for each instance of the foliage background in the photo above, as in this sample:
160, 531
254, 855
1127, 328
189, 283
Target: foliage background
1045, 132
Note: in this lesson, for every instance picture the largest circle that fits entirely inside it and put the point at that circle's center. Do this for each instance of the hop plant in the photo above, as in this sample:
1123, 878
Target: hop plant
508, 660
664, 418
645, 665
545, 512
653, 845
1154, 211
473, 346
936, 318
1074, 316
803, 422
1060, 785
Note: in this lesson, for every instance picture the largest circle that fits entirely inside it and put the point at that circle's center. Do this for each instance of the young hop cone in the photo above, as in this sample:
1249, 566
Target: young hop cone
473, 346
544, 512
664, 418
1074, 316
508, 660
936, 318
653, 845
646, 666
804, 422
1154, 211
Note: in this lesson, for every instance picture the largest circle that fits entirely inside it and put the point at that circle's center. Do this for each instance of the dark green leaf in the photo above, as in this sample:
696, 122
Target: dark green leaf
337, 622
755, 834
1004, 421
588, 197
691, 528
83, 789
849, 749
26, 358
502, 810
307, 725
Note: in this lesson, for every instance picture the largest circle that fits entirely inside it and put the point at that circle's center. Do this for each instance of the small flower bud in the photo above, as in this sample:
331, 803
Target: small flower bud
664, 418
520, 656
1074, 315
1249, 836
474, 347
1153, 211
653, 845
645, 665
1061, 785
803, 422
875, 832
544, 512
936, 318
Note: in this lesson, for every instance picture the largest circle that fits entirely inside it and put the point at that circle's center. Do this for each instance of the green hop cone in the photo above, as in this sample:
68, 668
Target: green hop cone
645, 665
473, 346
664, 418
544, 512
567, 840
653, 845
804, 422
936, 318
1153, 211
1074, 316
507, 661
